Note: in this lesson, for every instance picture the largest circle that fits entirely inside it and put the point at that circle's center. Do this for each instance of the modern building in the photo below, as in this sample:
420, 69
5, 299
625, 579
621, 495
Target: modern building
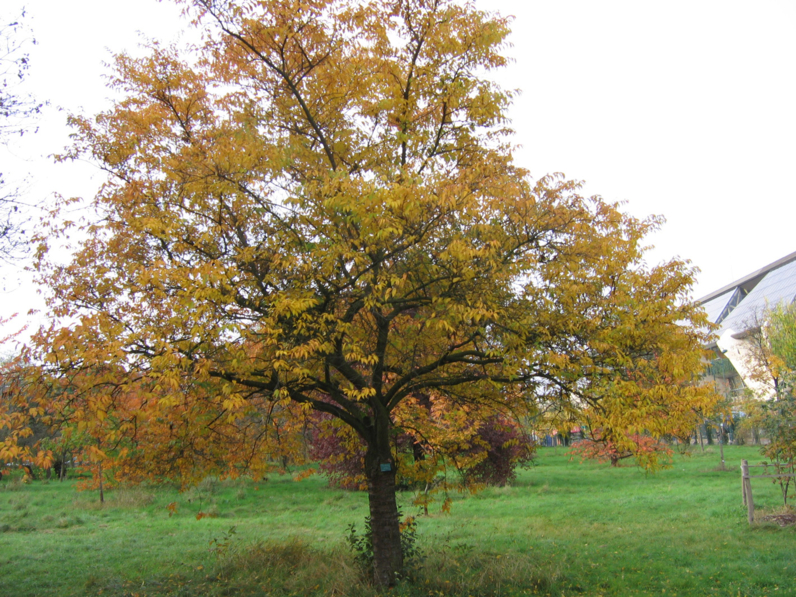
738, 310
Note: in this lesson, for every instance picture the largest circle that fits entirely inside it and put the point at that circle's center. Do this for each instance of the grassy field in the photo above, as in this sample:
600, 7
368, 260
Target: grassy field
564, 528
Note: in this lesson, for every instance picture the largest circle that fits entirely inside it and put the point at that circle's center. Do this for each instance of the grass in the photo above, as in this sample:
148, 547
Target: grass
563, 528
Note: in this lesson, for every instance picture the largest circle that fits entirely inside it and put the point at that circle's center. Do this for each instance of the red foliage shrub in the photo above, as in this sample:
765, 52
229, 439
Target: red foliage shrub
602, 449
340, 458
499, 447
506, 446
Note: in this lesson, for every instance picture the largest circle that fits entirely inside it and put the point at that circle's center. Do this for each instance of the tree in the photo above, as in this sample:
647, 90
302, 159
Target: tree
600, 448
16, 113
23, 421
320, 211
779, 414
782, 334
764, 365
770, 358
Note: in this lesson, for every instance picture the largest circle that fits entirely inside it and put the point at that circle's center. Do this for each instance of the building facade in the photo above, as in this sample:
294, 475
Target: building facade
739, 310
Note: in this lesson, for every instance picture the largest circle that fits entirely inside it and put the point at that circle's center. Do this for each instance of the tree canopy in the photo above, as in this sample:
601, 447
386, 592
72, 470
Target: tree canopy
781, 330
318, 210
16, 113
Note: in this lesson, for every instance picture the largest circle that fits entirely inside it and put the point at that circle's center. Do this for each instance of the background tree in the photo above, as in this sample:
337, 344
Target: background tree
318, 210
600, 448
17, 113
781, 330
770, 357
764, 363
24, 423
779, 414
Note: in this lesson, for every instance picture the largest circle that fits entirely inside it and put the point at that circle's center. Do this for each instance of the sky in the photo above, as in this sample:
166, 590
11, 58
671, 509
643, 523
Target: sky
685, 109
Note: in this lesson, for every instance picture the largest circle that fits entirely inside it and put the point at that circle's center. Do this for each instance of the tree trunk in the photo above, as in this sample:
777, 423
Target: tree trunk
101, 489
384, 522
708, 433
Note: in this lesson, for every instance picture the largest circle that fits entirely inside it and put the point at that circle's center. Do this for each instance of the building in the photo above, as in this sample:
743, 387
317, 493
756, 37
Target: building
738, 309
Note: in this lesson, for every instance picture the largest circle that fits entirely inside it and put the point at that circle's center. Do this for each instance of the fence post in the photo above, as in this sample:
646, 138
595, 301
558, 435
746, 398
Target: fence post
743, 481
746, 485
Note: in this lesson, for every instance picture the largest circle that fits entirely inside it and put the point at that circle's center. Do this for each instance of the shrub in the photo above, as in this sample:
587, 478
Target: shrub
340, 456
362, 545
490, 458
506, 447
602, 449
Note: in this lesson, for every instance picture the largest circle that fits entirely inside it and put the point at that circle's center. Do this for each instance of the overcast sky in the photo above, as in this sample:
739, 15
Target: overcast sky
681, 108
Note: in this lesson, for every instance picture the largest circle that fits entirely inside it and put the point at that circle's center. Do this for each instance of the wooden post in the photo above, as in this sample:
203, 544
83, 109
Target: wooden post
743, 482
747, 491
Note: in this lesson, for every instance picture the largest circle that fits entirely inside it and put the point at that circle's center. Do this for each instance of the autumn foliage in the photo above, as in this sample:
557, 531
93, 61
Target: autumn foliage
21, 416
487, 453
647, 450
339, 452
502, 446
318, 210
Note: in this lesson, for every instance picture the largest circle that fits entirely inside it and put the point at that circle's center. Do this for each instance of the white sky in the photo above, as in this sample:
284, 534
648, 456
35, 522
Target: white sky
685, 108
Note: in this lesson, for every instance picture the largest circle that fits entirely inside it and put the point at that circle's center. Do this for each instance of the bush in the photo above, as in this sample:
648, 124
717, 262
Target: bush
340, 456
603, 449
498, 447
506, 446
362, 545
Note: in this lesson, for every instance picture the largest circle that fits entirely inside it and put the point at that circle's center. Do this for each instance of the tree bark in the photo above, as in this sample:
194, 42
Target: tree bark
384, 521
101, 489
708, 433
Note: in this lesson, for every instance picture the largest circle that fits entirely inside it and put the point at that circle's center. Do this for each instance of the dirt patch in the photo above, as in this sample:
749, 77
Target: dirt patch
783, 520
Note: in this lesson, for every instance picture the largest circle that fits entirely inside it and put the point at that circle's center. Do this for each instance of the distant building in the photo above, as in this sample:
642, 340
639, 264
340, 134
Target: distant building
738, 308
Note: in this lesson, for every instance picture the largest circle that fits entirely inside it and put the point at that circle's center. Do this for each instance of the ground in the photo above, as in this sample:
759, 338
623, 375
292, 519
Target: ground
564, 528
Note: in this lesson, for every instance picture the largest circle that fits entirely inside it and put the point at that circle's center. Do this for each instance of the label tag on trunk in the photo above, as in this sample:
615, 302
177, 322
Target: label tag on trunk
385, 467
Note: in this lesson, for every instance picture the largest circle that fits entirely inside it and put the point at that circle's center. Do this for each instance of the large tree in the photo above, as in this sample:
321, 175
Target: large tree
318, 210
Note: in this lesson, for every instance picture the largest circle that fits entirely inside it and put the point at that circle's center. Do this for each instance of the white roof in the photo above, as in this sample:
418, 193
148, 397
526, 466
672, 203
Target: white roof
737, 306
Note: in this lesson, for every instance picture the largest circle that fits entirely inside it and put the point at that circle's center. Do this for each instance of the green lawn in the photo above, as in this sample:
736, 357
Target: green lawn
564, 528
